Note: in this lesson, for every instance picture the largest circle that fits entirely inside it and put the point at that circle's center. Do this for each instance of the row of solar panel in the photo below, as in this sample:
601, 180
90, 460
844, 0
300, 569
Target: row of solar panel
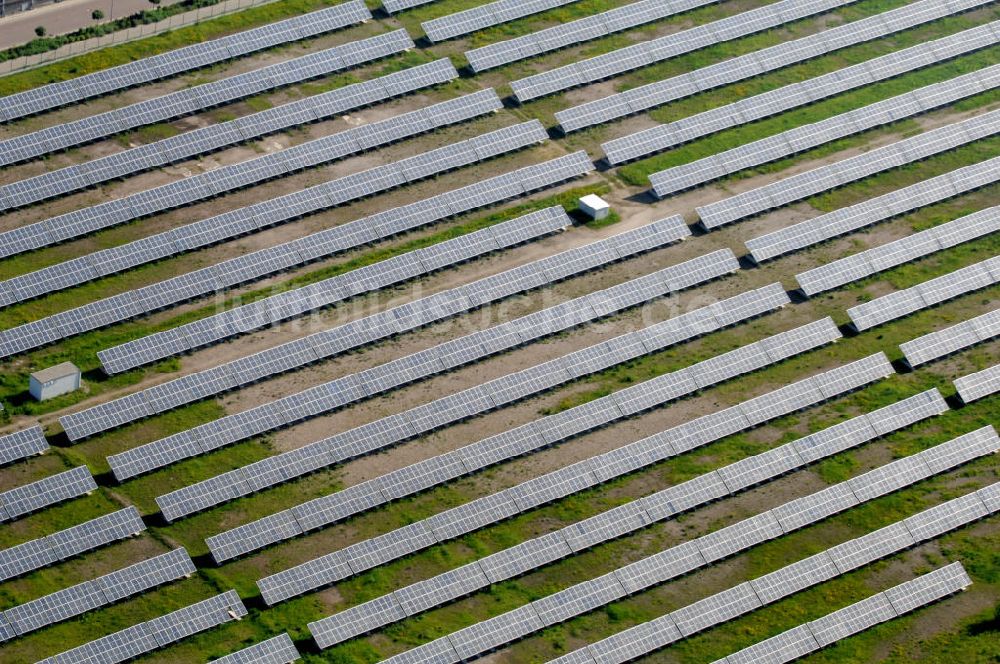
809, 637
295, 302
656, 50
187, 286
181, 60
634, 516
173, 105
215, 136
22, 444
28, 498
979, 385
815, 181
322, 344
551, 39
952, 339
89, 595
221, 180
156, 633
484, 16
276, 650
464, 404
846, 220
104, 215
924, 243
694, 554
547, 431
927, 294
793, 578
369, 229
794, 95
73, 541
739, 68
806, 137
354, 387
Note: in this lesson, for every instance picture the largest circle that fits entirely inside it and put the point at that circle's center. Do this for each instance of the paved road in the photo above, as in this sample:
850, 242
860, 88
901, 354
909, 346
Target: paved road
63, 17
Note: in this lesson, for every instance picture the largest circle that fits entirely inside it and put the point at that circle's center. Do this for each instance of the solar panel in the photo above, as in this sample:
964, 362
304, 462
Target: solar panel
22, 444
978, 385
904, 302
935, 345
45, 492
106, 589
276, 650
64, 544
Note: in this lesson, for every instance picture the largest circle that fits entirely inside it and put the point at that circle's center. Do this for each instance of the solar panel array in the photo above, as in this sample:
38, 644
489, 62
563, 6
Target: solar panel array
660, 632
927, 294
297, 301
662, 48
22, 444
322, 344
619, 521
817, 180
145, 70
978, 385
897, 601
461, 405
156, 633
735, 69
334, 341
47, 491
89, 595
73, 541
549, 430
213, 137
866, 263
487, 635
86, 220
854, 217
243, 220
276, 650
936, 345
575, 32
484, 16
218, 181
794, 95
177, 104
805, 137
354, 387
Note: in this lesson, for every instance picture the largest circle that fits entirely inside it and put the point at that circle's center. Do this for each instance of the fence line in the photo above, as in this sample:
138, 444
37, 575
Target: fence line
131, 34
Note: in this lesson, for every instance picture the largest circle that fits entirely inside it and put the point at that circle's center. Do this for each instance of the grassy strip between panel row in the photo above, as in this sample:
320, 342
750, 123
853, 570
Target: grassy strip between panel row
82, 350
